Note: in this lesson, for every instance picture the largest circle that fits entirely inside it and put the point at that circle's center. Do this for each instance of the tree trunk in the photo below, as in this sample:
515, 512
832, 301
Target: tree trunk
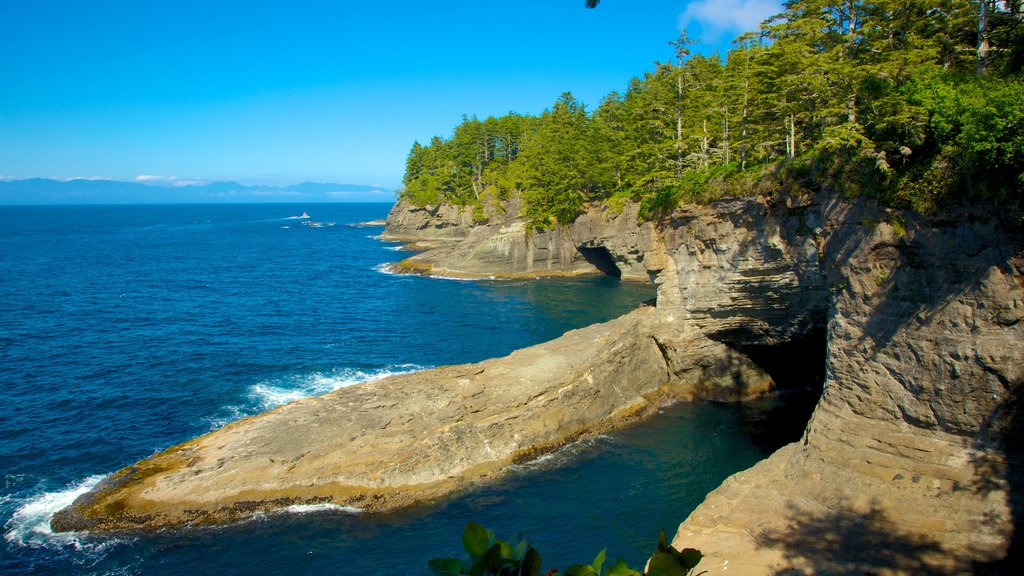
792, 135
851, 28
983, 12
725, 132
679, 125
743, 118
704, 144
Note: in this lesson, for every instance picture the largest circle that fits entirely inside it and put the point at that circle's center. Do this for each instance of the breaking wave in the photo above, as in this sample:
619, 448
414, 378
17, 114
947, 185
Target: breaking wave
29, 525
269, 394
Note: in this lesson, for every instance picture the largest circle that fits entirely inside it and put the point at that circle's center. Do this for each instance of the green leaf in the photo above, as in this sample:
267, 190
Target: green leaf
690, 557
580, 570
599, 561
490, 559
531, 563
506, 550
620, 568
474, 540
447, 566
662, 541
519, 552
666, 563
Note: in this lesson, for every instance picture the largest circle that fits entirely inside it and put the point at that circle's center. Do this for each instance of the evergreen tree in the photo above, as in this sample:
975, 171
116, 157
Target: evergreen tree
919, 103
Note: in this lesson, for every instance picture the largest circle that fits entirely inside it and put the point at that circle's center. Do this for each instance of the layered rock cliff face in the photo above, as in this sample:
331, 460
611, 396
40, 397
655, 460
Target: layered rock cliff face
599, 242
910, 463
407, 222
406, 439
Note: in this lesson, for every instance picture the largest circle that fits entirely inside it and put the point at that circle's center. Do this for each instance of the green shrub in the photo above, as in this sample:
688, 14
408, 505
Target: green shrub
490, 556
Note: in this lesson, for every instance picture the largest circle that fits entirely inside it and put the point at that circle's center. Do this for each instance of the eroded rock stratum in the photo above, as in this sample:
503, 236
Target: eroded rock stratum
909, 465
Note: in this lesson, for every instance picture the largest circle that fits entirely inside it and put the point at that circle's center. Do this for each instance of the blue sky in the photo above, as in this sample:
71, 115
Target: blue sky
281, 92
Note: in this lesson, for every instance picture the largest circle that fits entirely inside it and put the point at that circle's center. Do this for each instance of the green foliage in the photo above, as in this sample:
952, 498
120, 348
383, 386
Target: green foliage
490, 556
668, 561
875, 98
975, 136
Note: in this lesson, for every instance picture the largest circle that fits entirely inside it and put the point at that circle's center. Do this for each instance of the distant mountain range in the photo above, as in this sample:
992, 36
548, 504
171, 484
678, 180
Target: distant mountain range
83, 191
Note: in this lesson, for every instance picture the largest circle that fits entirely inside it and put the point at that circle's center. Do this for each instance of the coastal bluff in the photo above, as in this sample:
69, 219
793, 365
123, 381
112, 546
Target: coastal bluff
911, 462
412, 438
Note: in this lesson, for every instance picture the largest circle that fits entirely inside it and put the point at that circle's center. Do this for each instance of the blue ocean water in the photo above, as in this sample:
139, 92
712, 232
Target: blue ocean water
126, 329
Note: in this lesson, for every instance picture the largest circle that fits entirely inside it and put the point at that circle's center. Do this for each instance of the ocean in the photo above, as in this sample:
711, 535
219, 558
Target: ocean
127, 329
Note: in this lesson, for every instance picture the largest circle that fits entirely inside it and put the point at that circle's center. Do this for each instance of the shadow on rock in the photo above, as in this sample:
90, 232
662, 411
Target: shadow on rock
1004, 432
847, 543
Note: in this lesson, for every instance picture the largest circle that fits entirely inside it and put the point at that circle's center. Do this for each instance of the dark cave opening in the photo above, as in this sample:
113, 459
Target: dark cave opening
602, 259
796, 365
798, 369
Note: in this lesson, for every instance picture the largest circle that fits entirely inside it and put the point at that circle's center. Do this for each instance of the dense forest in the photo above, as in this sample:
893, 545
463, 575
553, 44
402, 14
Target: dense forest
917, 103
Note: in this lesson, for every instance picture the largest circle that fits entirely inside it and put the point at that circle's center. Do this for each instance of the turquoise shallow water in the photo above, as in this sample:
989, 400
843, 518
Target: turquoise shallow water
126, 329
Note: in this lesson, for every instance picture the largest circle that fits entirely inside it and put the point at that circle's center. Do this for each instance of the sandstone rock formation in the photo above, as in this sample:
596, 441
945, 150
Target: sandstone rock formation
443, 222
405, 439
910, 464
912, 461
601, 241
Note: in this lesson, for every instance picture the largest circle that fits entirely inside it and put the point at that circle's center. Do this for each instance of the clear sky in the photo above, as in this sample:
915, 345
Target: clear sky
286, 91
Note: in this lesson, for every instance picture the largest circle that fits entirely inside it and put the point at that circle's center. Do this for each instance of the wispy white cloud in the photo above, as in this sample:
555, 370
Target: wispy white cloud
353, 193
180, 183
167, 180
720, 19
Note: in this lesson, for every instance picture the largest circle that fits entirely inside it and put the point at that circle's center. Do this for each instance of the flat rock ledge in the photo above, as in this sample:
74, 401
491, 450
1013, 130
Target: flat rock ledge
413, 438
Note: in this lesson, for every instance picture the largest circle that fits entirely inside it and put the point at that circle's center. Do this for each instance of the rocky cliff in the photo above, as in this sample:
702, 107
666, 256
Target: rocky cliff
405, 439
910, 463
407, 222
912, 460
601, 241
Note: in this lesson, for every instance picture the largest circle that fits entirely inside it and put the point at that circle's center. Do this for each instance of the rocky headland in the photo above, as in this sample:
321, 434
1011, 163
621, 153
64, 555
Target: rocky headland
910, 464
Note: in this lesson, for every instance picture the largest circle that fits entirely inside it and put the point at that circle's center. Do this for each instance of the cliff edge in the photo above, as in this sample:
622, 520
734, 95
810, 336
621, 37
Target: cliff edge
910, 464
912, 460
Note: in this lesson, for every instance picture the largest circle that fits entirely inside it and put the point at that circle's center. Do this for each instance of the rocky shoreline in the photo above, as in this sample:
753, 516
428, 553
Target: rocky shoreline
409, 438
910, 464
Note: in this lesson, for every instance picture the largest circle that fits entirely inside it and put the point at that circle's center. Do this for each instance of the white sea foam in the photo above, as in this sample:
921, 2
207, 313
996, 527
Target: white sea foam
563, 455
272, 393
315, 508
29, 525
457, 279
388, 268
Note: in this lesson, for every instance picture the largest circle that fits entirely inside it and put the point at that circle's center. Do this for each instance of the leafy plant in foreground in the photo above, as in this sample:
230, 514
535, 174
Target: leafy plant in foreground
490, 556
